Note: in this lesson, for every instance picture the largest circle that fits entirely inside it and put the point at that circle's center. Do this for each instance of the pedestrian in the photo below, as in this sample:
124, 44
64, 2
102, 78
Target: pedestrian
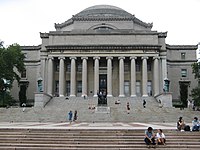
180, 124
70, 115
128, 107
195, 124
149, 137
160, 137
24, 107
75, 115
144, 103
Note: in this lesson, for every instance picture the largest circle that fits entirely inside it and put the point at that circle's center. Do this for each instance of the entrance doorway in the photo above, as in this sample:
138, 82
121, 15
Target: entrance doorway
102, 95
103, 82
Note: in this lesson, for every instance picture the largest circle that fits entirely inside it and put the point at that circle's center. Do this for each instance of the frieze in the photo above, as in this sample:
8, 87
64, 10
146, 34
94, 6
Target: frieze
103, 47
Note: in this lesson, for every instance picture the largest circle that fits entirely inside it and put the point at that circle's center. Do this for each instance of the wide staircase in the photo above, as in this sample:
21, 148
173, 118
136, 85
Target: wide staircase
91, 139
57, 109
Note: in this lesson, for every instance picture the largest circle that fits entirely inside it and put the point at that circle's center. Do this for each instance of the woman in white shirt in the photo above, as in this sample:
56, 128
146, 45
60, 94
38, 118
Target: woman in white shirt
160, 137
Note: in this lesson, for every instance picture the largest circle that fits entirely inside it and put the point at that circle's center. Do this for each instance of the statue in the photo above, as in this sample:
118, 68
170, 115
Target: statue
39, 81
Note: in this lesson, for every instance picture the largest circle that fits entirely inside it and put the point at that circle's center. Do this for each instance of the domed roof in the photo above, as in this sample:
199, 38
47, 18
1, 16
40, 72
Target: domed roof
103, 11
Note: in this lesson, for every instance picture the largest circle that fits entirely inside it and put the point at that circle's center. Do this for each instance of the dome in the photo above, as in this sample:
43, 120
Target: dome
103, 11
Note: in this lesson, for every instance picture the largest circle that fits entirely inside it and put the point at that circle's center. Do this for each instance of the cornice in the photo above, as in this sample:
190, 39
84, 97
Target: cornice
29, 48
44, 35
181, 47
103, 47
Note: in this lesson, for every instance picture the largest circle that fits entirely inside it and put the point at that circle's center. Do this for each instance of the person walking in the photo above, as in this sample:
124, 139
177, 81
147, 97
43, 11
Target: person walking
75, 115
128, 108
70, 115
144, 103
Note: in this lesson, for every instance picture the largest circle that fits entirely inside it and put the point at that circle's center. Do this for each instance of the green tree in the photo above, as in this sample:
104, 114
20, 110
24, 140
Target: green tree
195, 93
11, 59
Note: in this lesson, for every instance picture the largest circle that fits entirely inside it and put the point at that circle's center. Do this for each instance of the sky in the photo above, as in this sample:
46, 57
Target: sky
23, 20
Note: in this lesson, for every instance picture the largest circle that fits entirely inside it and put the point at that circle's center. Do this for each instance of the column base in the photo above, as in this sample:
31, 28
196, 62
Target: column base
72, 96
121, 95
133, 96
61, 95
95, 96
109, 96
144, 95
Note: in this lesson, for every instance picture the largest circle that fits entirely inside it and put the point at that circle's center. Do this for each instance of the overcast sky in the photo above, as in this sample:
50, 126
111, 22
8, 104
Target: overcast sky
22, 20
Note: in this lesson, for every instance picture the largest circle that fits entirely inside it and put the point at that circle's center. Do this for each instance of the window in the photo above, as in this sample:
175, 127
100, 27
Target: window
137, 66
23, 74
79, 87
126, 88
183, 72
183, 56
148, 66
57, 66
68, 88
79, 68
126, 67
68, 69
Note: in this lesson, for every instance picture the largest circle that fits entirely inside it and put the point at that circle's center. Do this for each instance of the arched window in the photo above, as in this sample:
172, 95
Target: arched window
103, 28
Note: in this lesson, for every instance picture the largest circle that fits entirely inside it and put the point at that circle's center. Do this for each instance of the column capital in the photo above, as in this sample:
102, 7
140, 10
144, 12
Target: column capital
84, 58
96, 57
109, 57
133, 57
73, 58
145, 57
50, 57
156, 57
61, 57
121, 57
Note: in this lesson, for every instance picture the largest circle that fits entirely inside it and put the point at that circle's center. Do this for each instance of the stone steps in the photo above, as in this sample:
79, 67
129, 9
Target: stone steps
104, 139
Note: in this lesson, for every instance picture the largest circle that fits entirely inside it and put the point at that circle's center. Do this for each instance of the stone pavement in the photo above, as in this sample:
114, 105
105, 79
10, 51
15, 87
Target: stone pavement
86, 125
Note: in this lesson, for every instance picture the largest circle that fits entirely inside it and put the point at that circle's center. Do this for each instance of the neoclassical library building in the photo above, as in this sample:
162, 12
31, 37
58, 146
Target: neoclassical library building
105, 48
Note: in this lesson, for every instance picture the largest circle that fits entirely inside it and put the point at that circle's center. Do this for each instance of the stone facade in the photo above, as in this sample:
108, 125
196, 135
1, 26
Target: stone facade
106, 48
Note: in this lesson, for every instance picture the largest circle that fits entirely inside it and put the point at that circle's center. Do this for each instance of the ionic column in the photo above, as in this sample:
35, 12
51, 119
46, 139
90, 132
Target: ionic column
156, 76
96, 75
164, 70
121, 76
144, 76
50, 76
84, 76
73, 77
133, 77
61, 76
109, 76
43, 70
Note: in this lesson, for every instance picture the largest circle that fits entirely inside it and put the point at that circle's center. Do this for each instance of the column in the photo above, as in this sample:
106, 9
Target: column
121, 76
109, 76
50, 76
156, 76
84, 76
43, 67
61, 76
73, 77
133, 77
144, 76
96, 75
164, 70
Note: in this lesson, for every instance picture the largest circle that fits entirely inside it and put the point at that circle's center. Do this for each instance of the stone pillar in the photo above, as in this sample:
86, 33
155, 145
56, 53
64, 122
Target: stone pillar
43, 70
144, 76
133, 77
109, 76
121, 76
50, 76
84, 76
164, 70
61, 76
96, 75
156, 76
73, 77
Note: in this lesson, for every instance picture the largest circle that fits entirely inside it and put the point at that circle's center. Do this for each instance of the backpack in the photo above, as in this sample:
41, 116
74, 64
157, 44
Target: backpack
187, 128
